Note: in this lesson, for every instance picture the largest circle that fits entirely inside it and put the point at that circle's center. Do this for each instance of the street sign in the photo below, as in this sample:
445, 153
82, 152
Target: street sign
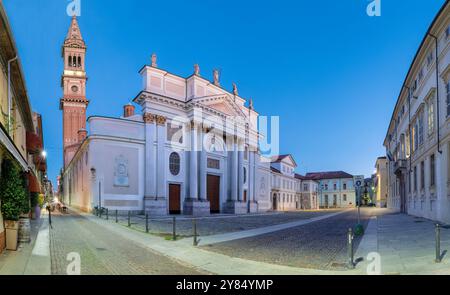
359, 181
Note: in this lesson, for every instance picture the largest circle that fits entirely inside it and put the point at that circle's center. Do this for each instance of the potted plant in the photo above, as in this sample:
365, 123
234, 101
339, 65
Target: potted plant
14, 201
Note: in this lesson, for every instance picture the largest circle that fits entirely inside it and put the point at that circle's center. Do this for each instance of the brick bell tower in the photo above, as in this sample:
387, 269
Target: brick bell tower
73, 81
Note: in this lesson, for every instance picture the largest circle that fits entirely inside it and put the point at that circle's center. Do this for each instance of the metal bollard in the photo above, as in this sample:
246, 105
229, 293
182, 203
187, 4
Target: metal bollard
146, 222
438, 243
117, 218
351, 263
129, 219
174, 233
107, 214
195, 242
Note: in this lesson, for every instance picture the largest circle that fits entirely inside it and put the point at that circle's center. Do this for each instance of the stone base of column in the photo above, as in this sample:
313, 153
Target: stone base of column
236, 207
196, 207
253, 207
154, 206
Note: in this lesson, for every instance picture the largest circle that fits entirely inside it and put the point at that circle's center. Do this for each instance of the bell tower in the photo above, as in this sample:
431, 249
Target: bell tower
73, 82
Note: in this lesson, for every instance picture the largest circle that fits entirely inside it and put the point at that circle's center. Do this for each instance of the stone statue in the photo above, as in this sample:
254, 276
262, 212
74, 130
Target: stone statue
196, 70
154, 58
216, 77
235, 90
250, 104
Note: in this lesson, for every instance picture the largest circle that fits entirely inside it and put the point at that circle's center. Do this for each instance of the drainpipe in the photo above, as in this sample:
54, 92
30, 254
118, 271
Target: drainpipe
437, 91
9, 93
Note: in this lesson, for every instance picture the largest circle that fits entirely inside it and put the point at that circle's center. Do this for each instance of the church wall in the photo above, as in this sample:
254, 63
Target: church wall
120, 190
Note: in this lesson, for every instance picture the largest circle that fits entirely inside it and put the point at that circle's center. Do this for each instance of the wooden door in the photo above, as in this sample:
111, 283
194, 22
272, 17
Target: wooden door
213, 193
174, 199
245, 196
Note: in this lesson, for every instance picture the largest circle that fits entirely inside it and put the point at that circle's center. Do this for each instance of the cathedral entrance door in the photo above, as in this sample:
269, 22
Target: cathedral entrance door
213, 193
174, 199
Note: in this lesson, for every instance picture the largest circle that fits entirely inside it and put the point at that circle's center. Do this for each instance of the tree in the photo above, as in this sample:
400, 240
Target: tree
13, 193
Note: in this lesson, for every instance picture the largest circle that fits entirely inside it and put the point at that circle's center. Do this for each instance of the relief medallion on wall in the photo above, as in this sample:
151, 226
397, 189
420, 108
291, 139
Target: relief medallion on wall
121, 171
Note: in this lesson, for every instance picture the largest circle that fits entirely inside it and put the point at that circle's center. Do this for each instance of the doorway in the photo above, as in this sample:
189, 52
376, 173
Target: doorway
213, 193
174, 199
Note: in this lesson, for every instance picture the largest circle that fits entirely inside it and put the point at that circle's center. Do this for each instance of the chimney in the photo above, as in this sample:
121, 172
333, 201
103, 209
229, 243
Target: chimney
82, 134
128, 110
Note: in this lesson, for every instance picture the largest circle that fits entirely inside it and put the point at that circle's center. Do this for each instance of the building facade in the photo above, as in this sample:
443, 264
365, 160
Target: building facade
17, 123
381, 182
289, 190
418, 138
336, 189
192, 148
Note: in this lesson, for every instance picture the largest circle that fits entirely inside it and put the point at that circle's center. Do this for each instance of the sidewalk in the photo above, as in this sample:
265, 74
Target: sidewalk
406, 245
30, 258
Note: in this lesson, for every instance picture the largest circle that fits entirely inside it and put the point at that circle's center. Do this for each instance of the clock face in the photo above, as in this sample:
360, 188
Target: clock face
74, 88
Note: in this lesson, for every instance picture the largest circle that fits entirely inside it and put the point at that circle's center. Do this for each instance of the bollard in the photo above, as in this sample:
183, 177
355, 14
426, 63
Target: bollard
174, 233
129, 219
117, 218
438, 243
100, 212
107, 214
195, 243
146, 222
50, 217
351, 263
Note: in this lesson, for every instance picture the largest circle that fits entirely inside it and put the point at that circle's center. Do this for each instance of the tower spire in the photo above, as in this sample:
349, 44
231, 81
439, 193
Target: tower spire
74, 36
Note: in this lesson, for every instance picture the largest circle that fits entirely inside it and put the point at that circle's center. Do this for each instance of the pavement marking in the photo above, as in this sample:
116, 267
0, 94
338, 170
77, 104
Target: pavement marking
39, 262
219, 238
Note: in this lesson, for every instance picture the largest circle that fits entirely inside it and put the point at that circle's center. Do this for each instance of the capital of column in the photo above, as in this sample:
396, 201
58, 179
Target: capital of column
149, 118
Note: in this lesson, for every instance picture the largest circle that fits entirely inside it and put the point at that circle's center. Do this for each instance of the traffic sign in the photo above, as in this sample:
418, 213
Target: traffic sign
359, 181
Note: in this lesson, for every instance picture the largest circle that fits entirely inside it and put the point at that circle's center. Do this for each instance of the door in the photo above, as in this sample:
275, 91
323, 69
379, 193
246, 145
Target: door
174, 199
213, 193
274, 202
245, 196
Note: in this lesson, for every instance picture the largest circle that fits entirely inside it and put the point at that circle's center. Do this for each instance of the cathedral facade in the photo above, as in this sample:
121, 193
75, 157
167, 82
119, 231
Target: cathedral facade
192, 148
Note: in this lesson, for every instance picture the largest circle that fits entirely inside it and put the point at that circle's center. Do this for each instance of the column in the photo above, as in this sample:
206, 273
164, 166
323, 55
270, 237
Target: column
150, 154
240, 170
203, 164
193, 164
161, 157
234, 171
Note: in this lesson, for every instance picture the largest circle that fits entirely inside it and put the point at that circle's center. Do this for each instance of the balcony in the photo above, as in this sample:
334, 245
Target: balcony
400, 167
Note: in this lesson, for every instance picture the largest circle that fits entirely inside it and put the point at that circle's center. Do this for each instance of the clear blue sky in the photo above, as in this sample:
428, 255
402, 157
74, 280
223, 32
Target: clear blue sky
328, 70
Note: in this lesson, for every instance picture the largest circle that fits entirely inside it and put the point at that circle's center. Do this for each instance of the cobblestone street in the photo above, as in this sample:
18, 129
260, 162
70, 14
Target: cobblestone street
319, 245
104, 252
215, 224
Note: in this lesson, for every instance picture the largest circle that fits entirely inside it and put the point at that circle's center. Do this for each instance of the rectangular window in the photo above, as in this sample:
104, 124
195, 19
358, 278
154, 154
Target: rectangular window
422, 175
344, 185
344, 196
432, 171
447, 91
420, 128
430, 58
334, 186
430, 117
415, 178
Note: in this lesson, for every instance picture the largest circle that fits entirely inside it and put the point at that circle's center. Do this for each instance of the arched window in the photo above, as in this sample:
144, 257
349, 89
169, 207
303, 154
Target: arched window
79, 61
74, 61
245, 175
69, 61
174, 163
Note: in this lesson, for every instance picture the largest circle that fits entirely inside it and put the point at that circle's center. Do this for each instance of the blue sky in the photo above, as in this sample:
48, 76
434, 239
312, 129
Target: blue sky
329, 71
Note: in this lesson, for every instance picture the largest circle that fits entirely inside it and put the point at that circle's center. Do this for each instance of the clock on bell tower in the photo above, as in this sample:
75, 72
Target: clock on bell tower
73, 82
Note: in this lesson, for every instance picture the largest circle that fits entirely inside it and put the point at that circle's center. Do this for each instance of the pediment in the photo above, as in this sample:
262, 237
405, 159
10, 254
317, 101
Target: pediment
222, 104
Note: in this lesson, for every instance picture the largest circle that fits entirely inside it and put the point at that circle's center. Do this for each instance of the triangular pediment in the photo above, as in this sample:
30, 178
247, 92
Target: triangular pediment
223, 104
